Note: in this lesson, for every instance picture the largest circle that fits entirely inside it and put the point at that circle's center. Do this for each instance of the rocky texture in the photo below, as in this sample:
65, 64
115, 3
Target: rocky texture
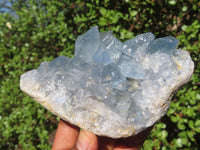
111, 88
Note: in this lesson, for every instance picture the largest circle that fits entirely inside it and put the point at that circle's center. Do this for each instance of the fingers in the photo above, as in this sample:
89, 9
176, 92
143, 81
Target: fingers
66, 136
89, 141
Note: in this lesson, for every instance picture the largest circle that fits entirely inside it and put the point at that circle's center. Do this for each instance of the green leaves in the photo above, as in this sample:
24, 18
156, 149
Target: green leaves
163, 134
172, 2
103, 11
180, 142
109, 17
42, 30
184, 8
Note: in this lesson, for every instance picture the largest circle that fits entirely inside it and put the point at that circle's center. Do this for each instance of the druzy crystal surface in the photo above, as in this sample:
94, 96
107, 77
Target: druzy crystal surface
111, 88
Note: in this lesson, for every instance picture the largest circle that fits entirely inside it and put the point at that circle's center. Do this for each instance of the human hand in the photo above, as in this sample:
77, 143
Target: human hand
70, 137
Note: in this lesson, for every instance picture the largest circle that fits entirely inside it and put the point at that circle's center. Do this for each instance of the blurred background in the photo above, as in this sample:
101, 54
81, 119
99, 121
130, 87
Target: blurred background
32, 31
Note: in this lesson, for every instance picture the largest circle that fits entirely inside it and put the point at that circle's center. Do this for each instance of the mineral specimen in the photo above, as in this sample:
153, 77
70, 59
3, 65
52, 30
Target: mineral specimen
111, 88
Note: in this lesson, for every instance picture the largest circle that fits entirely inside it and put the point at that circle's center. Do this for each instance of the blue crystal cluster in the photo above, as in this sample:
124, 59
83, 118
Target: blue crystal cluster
111, 88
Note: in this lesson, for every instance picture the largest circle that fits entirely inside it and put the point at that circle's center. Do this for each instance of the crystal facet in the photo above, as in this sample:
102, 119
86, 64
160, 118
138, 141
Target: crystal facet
111, 88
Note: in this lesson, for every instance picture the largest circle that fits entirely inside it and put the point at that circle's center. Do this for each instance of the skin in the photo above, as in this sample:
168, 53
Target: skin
70, 137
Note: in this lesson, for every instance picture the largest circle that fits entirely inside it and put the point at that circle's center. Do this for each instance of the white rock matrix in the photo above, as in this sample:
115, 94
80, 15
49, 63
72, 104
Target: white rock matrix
111, 88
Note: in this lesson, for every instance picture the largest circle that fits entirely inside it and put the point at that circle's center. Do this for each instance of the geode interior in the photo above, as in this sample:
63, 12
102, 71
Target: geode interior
111, 88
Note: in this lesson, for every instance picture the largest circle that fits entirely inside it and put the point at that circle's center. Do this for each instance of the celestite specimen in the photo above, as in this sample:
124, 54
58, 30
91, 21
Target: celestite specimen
111, 88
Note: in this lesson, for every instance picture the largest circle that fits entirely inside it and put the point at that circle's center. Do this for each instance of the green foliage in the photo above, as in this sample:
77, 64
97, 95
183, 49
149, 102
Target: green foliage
41, 30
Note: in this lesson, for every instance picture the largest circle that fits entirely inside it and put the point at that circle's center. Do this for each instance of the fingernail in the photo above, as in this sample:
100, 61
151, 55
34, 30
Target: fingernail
82, 142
